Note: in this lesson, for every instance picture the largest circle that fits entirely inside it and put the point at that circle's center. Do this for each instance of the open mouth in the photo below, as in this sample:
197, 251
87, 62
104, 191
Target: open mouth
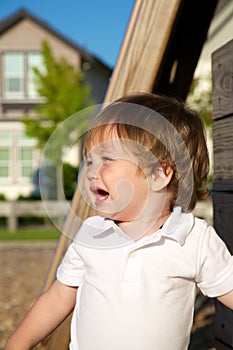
100, 195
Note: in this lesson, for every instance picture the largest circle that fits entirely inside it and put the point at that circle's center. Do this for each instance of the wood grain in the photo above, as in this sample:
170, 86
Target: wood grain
223, 326
222, 75
222, 78
143, 47
223, 211
223, 153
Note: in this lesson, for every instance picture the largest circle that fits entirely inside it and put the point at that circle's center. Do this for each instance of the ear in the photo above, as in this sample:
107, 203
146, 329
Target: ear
160, 179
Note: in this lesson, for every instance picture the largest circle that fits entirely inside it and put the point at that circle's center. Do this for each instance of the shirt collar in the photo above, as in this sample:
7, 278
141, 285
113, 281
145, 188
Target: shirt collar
178, 226
98, 232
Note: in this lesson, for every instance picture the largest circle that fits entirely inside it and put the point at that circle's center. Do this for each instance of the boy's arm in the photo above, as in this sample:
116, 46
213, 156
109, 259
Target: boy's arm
227, 299
50, 309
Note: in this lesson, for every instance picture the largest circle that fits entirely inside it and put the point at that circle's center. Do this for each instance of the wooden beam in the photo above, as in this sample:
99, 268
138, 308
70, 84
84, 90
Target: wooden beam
184, 47
143, 48
222, 73
222, 63
222, 76
223, 152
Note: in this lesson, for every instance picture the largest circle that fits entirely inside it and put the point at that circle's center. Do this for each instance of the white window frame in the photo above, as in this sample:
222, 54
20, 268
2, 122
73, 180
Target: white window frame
15, 164
27, 91
27, 144
6, 163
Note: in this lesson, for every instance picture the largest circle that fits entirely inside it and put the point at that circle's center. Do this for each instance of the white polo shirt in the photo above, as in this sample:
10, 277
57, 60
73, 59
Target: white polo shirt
139, 295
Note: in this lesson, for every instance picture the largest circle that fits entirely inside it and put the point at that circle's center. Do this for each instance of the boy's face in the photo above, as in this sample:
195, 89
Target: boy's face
113, 183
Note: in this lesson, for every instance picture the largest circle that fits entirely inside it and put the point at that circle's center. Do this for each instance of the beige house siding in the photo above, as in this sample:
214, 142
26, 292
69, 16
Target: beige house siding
28, 36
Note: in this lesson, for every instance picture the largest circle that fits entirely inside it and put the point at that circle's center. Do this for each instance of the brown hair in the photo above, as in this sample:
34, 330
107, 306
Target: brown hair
172, 133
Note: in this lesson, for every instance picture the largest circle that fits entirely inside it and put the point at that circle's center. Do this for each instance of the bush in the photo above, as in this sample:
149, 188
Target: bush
70, 175
48, 181
2, 197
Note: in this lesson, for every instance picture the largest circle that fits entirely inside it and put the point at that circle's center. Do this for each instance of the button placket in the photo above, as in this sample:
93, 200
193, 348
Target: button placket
131, 271
132, 268
132, 254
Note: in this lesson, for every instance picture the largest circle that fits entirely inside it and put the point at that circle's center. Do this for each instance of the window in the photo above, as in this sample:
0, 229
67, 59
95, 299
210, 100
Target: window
5, 155
27, 156
13, 74
18, 157
18, 75
26, 162
34, 60
4, 162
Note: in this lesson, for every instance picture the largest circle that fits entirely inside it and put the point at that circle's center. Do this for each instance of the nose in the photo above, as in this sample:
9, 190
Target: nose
92, 172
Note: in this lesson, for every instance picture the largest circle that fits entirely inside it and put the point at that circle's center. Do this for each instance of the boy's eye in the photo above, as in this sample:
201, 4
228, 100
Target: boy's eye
106, 159
88, 162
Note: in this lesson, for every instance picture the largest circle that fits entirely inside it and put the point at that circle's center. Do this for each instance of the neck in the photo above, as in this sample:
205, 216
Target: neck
141, 227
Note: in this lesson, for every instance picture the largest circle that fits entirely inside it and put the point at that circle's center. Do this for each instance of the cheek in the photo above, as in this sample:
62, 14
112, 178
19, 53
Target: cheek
111, 175
142, 188
119, 184
124, 182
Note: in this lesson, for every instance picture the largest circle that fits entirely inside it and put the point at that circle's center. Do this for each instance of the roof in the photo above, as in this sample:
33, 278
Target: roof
22, 14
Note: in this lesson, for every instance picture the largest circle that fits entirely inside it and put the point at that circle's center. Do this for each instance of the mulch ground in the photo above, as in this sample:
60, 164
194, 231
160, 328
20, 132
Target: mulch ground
23, 270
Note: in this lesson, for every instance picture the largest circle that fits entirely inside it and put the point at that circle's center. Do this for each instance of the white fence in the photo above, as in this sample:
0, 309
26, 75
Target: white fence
12, 210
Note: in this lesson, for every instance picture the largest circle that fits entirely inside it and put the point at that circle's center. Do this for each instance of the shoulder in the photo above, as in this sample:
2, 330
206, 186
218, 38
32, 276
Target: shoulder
184, 227
95, 221
99, 232
200, 230
200, 225
194, 231
90, 226
206, 240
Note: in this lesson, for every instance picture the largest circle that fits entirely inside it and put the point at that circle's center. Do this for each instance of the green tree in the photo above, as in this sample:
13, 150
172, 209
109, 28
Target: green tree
70, 175
64, 93
200, 97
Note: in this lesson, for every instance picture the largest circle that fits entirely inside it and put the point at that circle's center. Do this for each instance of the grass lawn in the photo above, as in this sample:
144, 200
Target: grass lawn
30, 233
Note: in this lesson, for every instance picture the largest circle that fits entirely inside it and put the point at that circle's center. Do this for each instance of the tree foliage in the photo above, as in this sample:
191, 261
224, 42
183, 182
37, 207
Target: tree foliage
64, 93
200, 97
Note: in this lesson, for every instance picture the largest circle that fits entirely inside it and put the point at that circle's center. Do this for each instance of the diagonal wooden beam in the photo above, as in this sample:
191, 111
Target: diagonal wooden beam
144, 46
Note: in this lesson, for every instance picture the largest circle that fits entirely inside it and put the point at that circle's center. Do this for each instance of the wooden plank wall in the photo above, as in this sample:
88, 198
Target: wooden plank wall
222, 77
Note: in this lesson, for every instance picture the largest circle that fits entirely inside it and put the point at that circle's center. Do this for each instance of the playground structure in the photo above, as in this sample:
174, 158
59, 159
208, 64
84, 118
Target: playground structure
159, 53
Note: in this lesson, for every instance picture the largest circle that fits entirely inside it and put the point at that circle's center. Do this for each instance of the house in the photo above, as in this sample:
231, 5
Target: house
220, 32
21, 37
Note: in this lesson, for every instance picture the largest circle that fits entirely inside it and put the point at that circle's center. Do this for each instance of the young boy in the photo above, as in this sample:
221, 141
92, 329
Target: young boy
131, 273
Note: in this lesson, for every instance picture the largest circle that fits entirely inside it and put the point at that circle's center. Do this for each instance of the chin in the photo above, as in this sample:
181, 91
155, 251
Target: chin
103, 214
107, 215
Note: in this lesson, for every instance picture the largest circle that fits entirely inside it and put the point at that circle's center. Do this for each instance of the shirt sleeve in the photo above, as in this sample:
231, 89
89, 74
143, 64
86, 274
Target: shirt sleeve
215, 266
71, 270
